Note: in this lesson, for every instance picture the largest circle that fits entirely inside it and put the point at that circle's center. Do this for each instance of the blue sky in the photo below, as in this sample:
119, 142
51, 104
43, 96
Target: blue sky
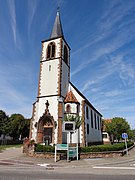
101, 34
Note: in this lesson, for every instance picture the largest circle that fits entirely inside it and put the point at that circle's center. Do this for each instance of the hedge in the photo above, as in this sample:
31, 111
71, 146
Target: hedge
95, 148
105, 147
43, 148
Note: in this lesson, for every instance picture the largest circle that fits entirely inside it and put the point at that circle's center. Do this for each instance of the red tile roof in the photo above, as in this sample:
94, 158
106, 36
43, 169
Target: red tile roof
70, 97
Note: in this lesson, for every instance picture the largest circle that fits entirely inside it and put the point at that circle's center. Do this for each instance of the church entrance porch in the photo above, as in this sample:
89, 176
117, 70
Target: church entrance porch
45, 133
46, 127
47, 138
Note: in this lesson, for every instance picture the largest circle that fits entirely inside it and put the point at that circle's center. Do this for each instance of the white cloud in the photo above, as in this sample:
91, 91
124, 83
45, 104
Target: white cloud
113, 93
127, 73
16, 36
32, 8
108, 37
11, 6
14, 80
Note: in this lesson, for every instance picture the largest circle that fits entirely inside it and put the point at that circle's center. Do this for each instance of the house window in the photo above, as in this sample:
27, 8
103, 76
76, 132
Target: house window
95, 120
88, 131
51, 50
104, 136
87, 113
65, 54
68, 108
91, 119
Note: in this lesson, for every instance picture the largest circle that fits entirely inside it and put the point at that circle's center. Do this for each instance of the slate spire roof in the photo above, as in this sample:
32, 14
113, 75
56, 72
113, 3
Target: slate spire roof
57, 27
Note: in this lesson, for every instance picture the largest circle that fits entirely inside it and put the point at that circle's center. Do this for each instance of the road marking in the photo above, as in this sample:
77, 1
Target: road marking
43, 165
124, 168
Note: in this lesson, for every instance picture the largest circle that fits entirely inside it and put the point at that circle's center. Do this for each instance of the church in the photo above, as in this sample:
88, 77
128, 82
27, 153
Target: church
58, 97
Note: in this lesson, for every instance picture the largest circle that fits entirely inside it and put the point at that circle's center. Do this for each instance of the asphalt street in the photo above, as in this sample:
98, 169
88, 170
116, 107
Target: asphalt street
15, 165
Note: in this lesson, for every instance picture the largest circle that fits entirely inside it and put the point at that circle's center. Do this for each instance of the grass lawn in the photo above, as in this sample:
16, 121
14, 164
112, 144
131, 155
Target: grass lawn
2, 147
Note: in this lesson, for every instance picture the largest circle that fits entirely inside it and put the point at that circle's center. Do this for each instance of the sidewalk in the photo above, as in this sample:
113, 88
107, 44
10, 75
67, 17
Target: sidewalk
16, 155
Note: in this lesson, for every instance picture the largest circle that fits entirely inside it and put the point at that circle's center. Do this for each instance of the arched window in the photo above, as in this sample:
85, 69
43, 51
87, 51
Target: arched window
87, 113
77, 108
91, 119
95, 120
65, 54
98, 122
68, 109
88, 129
51, 50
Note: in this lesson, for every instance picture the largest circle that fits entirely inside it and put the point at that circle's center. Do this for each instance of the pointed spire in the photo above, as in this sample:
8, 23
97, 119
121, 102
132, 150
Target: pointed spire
57, 27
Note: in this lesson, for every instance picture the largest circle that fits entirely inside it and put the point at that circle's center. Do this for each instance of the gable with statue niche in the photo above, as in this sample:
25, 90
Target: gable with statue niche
46, 127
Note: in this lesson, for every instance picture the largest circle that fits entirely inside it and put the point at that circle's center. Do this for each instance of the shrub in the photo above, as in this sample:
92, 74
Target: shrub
43, 148
106, 147
95, 148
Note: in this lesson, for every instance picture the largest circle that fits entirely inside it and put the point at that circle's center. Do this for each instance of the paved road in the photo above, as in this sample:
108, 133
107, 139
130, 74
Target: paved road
55, 176
15, 165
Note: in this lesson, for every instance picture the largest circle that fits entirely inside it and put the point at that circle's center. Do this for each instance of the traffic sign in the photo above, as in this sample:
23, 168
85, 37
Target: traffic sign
124, 135
68, 126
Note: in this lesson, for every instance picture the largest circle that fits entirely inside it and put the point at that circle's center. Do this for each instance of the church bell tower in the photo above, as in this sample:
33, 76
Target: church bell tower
52, 87
54, 63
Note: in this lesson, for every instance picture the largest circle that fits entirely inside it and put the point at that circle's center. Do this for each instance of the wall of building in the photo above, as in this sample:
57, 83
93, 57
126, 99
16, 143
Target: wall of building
49, 78
93, 134
40, 110
64, 79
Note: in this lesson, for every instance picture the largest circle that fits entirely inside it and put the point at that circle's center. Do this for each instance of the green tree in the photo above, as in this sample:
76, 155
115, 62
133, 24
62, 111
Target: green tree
18, 126
116, 127
131, 134
4, 120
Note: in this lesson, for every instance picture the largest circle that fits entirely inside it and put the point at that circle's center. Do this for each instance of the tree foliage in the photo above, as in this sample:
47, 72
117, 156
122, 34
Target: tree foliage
16, 125
75, 118
4, 120
131, 134
116, 127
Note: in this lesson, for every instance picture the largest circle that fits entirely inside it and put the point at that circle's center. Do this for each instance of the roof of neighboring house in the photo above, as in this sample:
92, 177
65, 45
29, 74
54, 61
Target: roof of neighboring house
108, 120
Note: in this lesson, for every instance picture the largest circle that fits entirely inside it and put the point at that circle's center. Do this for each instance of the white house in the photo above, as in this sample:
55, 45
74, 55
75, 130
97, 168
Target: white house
58, 97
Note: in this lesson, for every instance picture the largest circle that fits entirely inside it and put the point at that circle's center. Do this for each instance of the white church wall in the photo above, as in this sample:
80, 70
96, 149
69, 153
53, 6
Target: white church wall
80, 99
53, 109
64, 44
73, 107
53, 106
65, 79
95, 132
49, 78
34, 129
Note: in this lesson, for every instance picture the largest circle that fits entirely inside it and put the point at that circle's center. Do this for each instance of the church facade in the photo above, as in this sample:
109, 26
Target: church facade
58, 97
